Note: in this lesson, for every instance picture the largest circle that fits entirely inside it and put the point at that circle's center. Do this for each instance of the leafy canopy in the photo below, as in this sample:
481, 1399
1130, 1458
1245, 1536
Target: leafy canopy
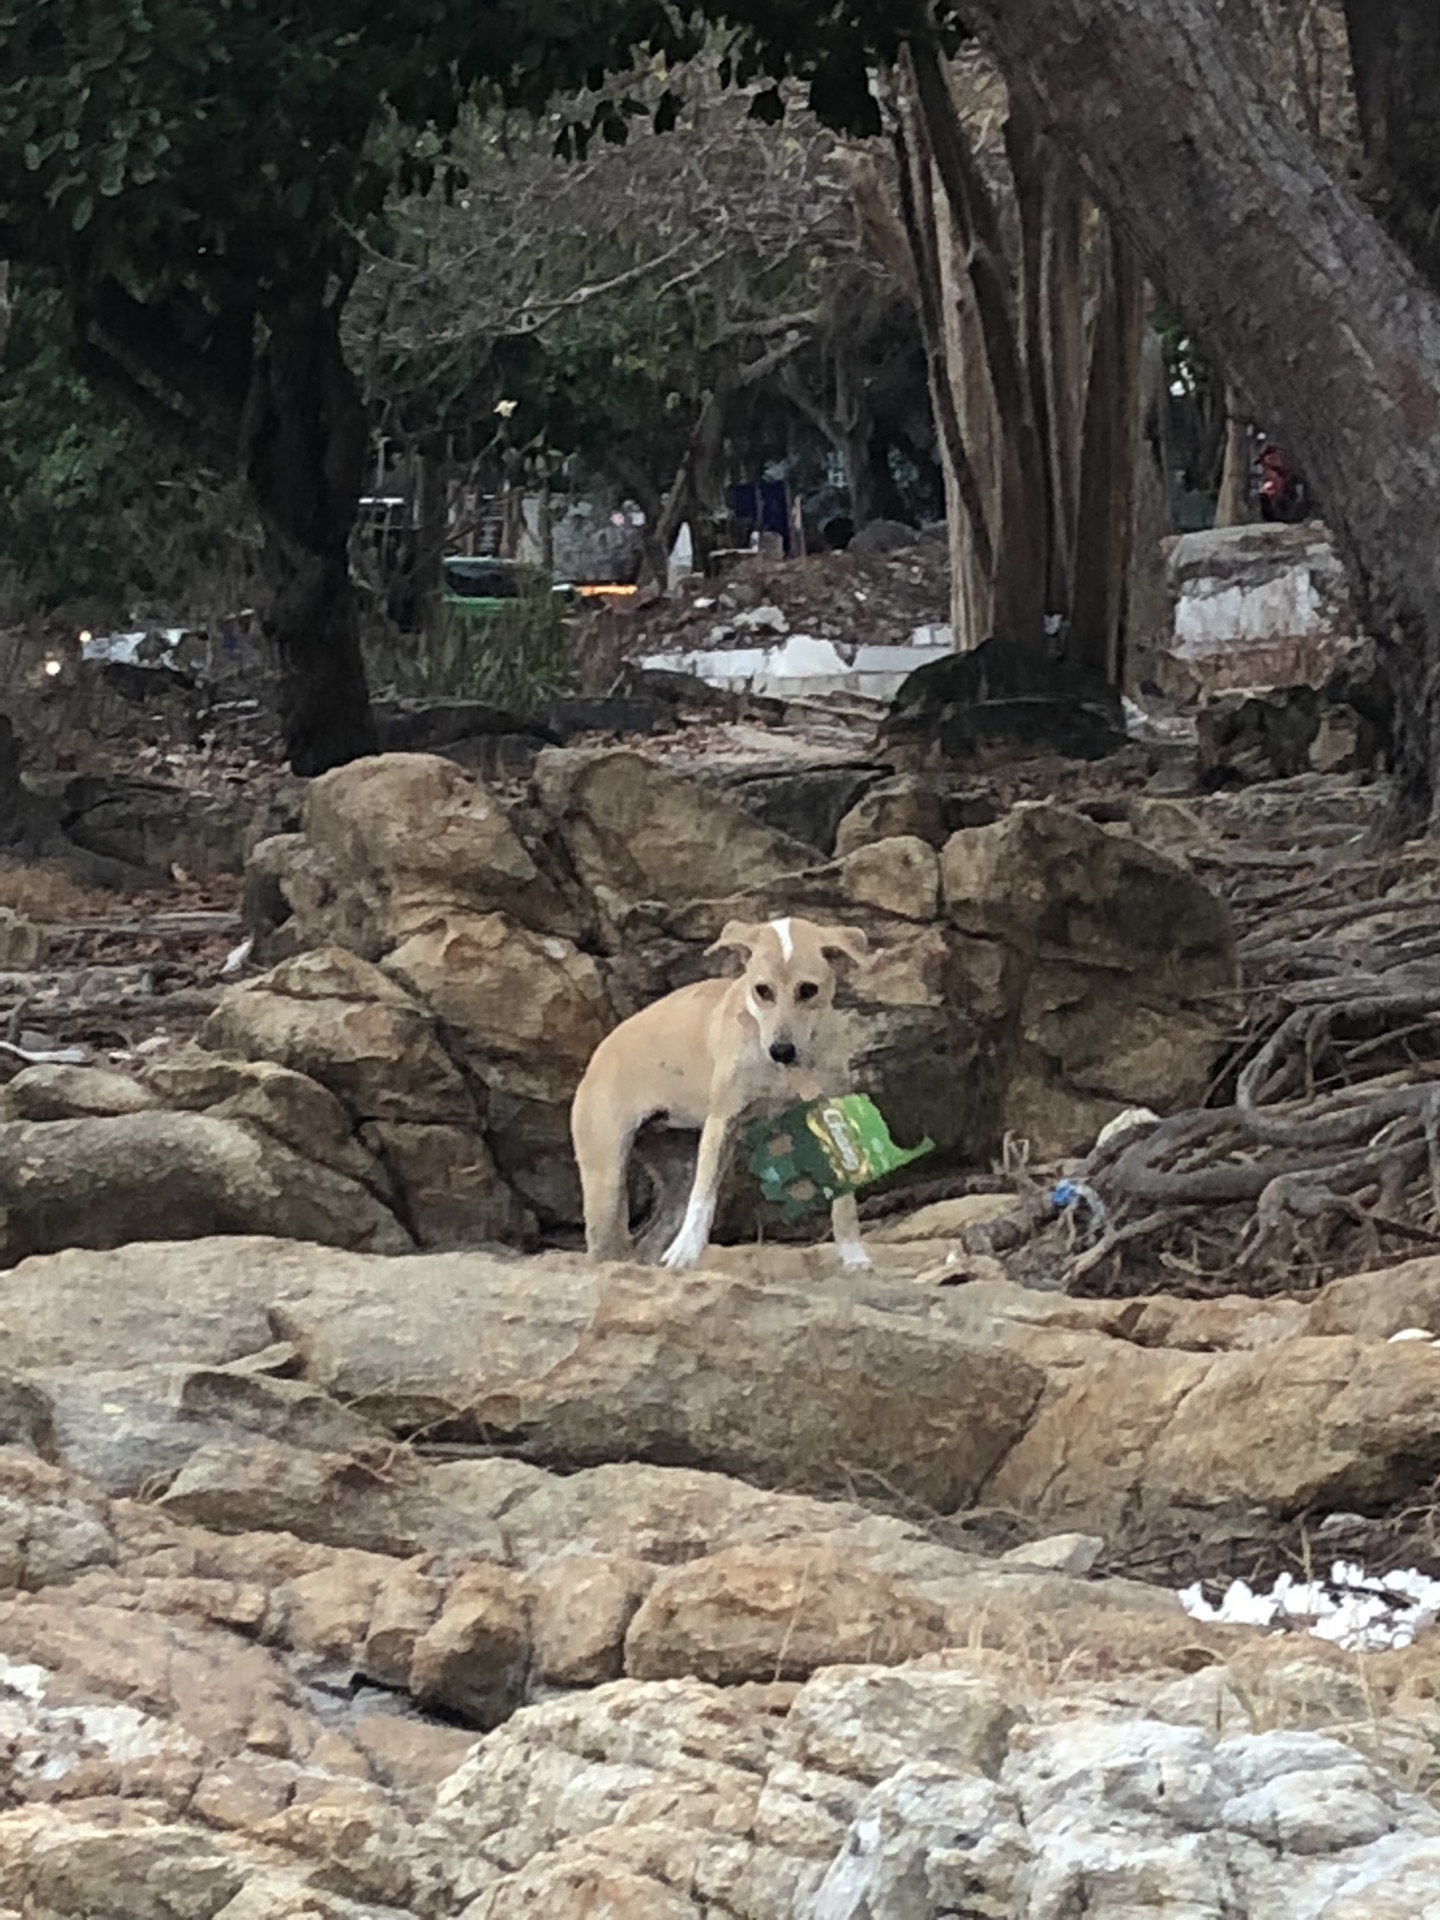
167, 132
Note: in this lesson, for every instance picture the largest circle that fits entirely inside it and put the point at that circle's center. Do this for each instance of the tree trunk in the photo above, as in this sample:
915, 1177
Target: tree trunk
1033, 328
985, 347
1395, 53
431, 533
1110, 456
1332, 322
304, 439
1232, 509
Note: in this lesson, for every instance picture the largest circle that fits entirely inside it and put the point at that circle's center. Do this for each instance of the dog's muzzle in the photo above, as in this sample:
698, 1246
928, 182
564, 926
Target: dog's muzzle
782, 1052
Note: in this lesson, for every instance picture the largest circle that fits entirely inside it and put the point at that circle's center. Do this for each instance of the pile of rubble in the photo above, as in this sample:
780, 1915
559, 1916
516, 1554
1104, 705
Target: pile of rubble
853, 622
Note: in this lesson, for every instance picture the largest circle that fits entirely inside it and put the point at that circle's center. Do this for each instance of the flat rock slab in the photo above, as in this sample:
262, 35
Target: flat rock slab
562, 1363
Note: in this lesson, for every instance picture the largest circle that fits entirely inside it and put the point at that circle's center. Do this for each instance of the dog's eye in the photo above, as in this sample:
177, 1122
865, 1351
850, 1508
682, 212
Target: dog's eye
765, 994
806, 990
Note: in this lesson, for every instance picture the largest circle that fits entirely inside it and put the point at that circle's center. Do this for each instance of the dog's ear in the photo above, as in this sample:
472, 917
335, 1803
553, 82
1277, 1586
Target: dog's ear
739, 934
844, 943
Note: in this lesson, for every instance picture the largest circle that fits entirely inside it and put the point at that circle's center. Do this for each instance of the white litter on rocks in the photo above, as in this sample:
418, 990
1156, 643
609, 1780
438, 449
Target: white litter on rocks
1357, 1610
804, 664
235, 960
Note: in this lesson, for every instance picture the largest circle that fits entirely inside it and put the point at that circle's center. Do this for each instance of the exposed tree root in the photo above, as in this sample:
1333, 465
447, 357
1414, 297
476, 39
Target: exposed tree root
1319, 1152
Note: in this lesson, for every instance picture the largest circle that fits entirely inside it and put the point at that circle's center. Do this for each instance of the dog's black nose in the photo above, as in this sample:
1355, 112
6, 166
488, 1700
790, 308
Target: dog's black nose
783, 1052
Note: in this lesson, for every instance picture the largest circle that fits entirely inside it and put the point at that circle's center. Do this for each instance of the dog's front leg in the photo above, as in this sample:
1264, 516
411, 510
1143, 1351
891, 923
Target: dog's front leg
844, 1212
690, 1242
845, 1225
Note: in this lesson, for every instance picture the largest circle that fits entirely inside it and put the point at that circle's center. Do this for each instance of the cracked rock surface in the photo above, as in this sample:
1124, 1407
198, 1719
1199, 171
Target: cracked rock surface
477, 1585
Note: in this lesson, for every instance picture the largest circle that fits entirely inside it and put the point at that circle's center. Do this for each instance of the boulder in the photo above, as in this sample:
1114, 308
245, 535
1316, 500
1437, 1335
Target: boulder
804, 803
339, 1020
1258, 606
386, 843
958, 1788
912, 803
297, 1110
1221, 1444
473, 1659
154, 826
635, 832
526, 1010
57, 1092
449, 1190
900, 876
1104, 961
777, 1613
102, 1182
1256, 736
1004, 699
567, 1362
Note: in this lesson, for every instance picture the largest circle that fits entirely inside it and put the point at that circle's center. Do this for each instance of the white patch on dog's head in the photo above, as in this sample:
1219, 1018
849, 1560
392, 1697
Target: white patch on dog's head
786, 938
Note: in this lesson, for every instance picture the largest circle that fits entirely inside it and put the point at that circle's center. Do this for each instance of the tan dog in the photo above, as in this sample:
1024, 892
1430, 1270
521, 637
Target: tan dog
712, 1056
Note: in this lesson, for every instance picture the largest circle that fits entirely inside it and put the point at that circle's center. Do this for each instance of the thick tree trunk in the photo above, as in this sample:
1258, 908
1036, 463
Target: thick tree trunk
986, 349
1033, 326
304, 439
1277, 263
1110, 457
1395, 52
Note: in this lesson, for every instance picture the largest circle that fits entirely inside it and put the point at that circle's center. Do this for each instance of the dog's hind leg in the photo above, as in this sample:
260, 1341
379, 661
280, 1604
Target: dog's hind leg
668, 1157
603, 1157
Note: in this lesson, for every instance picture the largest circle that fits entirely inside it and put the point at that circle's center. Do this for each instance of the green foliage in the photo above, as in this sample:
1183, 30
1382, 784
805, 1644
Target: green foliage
172, 133
92, 509
194, 173
198, 177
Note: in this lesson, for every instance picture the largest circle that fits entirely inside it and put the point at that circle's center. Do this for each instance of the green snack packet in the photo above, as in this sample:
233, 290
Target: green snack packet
809, 1155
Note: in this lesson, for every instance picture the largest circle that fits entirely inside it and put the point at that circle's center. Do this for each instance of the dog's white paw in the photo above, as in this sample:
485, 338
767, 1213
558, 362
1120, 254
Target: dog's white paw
683, 1251
853, 1255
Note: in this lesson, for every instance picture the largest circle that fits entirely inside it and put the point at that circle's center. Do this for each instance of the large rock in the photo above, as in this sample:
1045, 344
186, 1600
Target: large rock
912, 803
450, 1191
52, 1091
1201, 1445
387, 842
1102, 961
1259, 606
882, 1796
339, 1020
526, 1009
1003, 699
297, 1110
805, 803
102, 1182
630, 1364
568, 1362
636, 832
766, 1613
1163, 1421
154, 826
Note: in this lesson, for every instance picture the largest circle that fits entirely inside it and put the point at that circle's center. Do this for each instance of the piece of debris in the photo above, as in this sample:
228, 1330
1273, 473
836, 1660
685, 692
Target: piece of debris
1353, 1608
237, 956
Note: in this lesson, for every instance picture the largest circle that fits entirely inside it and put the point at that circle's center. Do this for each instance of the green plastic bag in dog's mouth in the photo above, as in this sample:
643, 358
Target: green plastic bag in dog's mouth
809, 1155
